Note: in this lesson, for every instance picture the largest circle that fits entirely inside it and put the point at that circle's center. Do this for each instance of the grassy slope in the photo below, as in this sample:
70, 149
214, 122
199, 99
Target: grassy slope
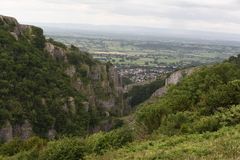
223, 144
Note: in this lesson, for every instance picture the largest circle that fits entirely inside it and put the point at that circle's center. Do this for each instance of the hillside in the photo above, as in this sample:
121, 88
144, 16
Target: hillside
53, 95
198, 118
223, 144
49, 89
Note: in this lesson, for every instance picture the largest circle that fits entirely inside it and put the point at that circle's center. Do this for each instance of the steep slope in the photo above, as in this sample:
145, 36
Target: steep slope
208, 91
223, 144
173, 79
196, 119
47, 88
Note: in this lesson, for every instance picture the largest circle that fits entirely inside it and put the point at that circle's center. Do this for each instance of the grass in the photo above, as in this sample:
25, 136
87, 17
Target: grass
224, 144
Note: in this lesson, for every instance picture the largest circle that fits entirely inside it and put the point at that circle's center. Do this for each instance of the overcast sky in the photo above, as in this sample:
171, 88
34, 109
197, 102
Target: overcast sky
204, 15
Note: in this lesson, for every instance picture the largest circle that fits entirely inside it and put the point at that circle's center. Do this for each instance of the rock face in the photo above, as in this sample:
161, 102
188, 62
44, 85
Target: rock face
98, 84
173, 79
15, 28
6, 132
160, 92
177, 76
9, 131
23, 131
57, 53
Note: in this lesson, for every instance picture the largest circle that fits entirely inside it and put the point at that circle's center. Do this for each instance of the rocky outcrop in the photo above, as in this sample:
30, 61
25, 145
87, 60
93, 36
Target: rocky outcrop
6, 132
6, 20
94, 86
107, 104
15, 28
56, 52
117, 80
160, 92
9, 131
173, 79
23, 131
177, 76
51, 134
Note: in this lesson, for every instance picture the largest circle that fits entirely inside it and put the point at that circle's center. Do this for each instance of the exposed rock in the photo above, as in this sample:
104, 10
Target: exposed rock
107, 104
173, 79
92, 100
44, 101
72, 105
5, 20
107, 114
15, 28
65, 107
6, 132
23, 131
177, 76
26, 130
56, 52
70, 71
78, 85
14, 35
86, 106
52, 134
160, 92
98, 82
117, 80
95, 74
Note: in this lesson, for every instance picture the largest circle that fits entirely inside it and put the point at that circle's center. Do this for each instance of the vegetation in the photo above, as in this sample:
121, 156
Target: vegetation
196, 119
66, 148
223, 144
31, 80
139, 94
206, 92
35, 89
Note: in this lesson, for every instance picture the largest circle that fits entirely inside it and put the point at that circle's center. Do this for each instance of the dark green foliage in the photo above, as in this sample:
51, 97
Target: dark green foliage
101, 142
202, 94
34, 87
4, 114
126, 81
139, 94
59, 44
65, 149
77, 57
16, 146
235, 60
38, 39
11, 148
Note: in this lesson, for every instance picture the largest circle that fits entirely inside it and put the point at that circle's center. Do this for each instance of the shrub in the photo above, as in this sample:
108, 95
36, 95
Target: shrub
100, 142
11, 148
67, 148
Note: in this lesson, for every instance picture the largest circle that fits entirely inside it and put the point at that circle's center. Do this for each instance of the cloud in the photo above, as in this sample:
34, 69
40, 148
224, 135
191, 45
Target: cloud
210, 15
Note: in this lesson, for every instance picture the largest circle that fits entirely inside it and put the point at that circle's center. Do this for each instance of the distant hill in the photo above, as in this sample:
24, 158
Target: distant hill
135, 32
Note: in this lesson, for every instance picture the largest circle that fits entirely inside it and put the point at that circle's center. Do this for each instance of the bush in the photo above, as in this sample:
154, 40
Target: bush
204, 93
11, 148
65, 149
34, 142
100, 142
177, 123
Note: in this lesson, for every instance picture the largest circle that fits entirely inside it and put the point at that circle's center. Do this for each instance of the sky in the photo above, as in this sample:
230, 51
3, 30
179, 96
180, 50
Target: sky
202, 15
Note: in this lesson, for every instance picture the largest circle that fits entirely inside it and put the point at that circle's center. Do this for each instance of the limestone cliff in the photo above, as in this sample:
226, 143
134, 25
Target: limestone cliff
93, 89
173, 79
